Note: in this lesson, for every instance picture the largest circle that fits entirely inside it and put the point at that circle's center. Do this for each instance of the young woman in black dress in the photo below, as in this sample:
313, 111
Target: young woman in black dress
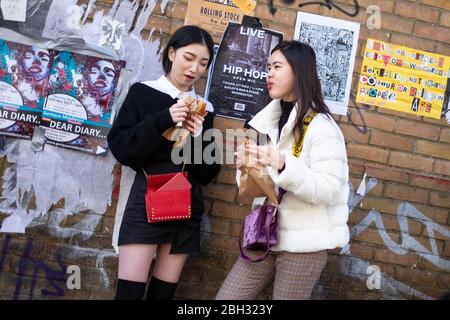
135, 139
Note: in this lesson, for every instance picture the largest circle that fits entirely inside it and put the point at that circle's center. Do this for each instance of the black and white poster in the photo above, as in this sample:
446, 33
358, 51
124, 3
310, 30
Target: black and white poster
335, 42
237, 87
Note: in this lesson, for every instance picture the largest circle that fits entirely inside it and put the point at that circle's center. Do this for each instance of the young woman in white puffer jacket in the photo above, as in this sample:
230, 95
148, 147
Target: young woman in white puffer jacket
313, 213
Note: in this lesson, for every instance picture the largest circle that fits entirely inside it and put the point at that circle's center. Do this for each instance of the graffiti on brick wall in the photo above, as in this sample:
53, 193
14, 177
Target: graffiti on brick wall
36, 181
408, 243
55, 277
325, 3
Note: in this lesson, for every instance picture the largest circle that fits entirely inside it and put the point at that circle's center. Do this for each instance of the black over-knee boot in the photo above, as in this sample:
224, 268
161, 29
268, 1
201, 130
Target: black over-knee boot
130, 290
161, 290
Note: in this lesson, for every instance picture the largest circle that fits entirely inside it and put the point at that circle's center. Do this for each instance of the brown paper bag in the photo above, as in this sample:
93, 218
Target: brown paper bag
255, 180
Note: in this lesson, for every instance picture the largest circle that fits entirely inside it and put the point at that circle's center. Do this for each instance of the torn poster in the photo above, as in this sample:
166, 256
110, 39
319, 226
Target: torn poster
14, 10
24, 74
77, 111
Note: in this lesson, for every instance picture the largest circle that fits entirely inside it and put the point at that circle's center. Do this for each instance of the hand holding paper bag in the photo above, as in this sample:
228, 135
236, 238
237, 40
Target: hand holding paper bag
255, 180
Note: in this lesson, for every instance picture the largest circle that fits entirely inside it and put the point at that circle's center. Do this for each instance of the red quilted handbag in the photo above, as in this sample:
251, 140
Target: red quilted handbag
168, 197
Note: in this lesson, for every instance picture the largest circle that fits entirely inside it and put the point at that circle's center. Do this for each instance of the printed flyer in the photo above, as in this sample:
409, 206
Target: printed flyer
214, 15
403, 79
237, 86
77, 110
24, 74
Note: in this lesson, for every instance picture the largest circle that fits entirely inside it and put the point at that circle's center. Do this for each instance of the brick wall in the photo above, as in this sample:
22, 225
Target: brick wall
401, 225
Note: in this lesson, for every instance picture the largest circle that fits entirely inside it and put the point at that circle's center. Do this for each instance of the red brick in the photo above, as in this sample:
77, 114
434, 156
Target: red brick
430, 182
394, 141
407, 40
220, 226
385, 5
365, 33
446, 252
382, 205
435, 214
445, 135
294, 6
442, 167
352, 134
444, 281
417, 11
402, 192
387, 173
407, 160
386, 255
441, 4
367, 152
227, 176
439, 150
417, 129
399, 114
396, 23
444, 49
229, 210
220, 191
361, 251
225, 123
372, 120
445, 18
416, 276
440, 199
430, 31
287, 16
373, 236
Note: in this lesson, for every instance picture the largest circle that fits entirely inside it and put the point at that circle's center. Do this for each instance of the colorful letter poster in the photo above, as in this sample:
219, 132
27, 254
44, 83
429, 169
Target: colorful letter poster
334, 42
403, 79
238, 85
214, 15
77, 111
24, 74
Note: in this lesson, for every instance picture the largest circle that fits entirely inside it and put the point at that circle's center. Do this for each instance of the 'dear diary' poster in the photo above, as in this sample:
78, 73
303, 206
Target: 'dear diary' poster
77, 110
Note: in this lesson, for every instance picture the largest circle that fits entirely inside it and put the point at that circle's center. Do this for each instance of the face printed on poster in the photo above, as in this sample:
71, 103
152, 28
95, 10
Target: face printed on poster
112, 33
24, 74
77, 110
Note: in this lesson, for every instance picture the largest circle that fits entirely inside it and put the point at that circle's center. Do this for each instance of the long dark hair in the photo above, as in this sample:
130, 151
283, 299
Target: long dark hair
185, 36
307, 89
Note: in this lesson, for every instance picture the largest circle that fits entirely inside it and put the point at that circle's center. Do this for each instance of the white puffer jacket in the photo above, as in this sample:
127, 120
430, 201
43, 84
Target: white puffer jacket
313, 213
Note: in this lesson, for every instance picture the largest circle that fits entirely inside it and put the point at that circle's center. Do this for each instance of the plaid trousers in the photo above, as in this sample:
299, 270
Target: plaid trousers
294, 276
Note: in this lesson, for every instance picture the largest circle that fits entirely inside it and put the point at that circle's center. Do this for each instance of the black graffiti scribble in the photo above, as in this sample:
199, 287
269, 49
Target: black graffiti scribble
326, 3
55, 277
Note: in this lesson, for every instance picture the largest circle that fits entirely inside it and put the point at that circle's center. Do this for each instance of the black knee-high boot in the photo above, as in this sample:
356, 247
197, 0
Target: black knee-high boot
161, 290
130, 290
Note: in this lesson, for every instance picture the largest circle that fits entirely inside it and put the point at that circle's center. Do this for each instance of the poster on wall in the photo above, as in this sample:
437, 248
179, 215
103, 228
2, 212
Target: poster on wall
214, 15
24, 74
334, 42
403, 79
237, 86
77, 110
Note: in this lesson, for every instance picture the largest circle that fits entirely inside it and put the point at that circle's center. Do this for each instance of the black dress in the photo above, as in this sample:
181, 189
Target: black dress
135, 140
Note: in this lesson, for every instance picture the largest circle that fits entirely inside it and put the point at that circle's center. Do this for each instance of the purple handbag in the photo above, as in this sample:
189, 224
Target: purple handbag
259, 231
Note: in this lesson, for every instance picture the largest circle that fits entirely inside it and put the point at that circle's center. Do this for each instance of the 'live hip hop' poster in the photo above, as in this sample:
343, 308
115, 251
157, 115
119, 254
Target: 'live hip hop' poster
237, 86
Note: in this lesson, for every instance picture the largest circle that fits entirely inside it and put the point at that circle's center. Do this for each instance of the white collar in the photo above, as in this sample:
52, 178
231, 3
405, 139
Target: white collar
164, 85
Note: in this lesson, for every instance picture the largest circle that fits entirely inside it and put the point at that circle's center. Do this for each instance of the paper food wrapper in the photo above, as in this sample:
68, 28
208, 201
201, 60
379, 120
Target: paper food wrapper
179, 133
255, 180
